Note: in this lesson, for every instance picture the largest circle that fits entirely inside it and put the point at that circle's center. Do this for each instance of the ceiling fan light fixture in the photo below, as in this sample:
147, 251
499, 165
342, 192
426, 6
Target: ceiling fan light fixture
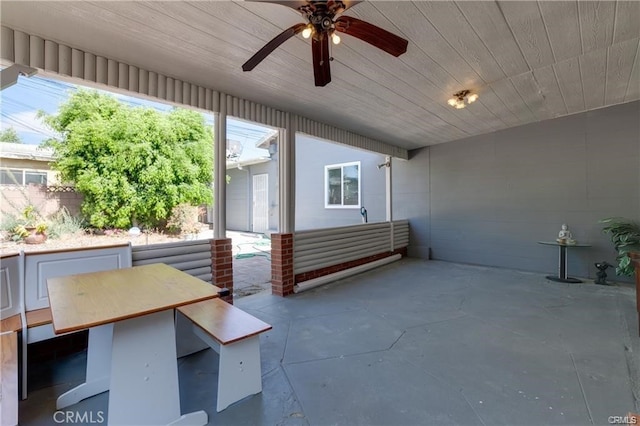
306, 33
335, 38
459, 98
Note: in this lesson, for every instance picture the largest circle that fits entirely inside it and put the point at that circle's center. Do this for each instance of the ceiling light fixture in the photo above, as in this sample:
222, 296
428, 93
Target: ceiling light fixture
306, 33
459, 98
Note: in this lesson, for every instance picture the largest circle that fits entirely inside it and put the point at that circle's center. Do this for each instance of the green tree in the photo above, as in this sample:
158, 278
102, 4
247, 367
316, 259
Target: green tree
10, 135
131, 164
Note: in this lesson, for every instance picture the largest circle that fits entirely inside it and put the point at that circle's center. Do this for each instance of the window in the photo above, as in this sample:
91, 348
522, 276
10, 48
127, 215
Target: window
11, 177
342, 185
38, 178
22, 177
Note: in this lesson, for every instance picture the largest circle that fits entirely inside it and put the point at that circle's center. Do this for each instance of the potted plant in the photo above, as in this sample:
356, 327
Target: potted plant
625, 236
37, 234
30, 228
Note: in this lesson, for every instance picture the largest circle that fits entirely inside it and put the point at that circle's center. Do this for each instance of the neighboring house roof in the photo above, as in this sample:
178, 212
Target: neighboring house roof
22, 151
249, 152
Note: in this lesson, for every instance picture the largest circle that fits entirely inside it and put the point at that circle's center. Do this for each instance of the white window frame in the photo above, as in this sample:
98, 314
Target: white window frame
24, 175
326, 185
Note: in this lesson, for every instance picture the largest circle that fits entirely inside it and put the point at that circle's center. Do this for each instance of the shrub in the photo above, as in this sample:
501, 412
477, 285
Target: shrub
132, 165
63, 223
8, 223
19, 233
184, 218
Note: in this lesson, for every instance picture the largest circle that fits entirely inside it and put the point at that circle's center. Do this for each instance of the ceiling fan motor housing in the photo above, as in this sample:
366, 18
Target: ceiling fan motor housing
322, 21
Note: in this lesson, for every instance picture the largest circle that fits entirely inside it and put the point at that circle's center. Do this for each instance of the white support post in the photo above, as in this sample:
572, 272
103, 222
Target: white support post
389, 198
287, 172
388, 169
220, 172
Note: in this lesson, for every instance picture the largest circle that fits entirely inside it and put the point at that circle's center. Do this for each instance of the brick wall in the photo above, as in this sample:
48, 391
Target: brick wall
222, 265
282, 264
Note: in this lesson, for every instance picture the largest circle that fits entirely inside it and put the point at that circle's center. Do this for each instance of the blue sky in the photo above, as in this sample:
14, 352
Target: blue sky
21, 102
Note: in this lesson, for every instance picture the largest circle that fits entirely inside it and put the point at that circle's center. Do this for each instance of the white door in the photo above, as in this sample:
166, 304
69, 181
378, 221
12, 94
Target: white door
260, 203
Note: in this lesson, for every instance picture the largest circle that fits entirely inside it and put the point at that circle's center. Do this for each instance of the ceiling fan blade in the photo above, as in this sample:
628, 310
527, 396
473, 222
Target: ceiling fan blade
376, 36
321, 69
271, 46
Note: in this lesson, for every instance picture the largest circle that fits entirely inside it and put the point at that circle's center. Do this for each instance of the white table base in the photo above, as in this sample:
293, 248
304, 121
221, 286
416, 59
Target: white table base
98, 368
144, 387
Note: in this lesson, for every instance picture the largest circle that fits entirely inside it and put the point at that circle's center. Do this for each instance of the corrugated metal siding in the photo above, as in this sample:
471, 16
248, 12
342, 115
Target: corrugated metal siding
22, 48
33, 51
320, 248
247, 110
192, 257
325, 131
400, 234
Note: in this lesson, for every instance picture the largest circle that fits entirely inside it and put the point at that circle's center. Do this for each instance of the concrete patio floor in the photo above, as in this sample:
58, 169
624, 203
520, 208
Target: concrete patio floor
417, 343
251, 263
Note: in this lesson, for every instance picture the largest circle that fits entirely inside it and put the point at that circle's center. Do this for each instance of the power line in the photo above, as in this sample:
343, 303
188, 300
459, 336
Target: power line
28, 95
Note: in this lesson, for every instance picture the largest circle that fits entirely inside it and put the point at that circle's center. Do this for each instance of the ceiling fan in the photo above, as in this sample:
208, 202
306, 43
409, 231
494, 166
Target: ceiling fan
322, 24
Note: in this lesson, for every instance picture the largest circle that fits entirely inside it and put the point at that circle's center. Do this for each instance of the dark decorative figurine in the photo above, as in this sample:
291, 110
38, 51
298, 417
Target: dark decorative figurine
602, 272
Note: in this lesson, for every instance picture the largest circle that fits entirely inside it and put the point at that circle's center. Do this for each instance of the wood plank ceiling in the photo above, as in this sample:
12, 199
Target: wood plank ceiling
528, 60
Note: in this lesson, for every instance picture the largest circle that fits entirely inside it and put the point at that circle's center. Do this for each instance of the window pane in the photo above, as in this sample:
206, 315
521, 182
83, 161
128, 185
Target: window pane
11, 177
38, 178
350, 185
334, 181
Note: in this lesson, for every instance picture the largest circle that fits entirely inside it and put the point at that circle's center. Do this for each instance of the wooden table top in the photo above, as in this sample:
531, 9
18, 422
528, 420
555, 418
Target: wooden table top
88, 300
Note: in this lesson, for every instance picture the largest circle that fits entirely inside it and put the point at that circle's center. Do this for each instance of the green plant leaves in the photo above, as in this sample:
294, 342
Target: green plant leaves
625, 236
131, 164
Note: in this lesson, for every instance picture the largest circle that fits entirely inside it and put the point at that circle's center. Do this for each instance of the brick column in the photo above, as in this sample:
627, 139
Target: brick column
282, 264
222, 265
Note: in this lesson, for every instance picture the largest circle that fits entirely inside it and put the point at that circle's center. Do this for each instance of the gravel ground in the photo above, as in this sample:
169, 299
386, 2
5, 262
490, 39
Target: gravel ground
87, 240
245, 244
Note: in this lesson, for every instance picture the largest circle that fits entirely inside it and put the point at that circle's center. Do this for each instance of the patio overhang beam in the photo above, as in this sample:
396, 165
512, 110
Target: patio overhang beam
9, 76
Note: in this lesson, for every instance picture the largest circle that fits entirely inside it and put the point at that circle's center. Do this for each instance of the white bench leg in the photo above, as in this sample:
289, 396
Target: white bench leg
195, 418
98, 368
239, 371
187, 342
